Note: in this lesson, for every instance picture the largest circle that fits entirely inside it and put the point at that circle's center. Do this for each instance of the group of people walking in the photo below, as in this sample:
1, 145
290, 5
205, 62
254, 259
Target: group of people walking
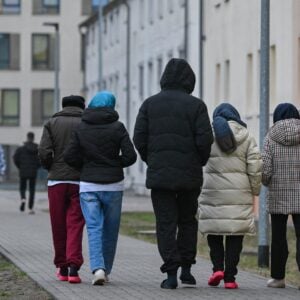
85, 151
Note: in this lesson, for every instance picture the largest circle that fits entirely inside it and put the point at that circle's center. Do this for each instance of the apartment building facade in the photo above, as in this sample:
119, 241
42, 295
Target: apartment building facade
156, 34
27, 64
231, 54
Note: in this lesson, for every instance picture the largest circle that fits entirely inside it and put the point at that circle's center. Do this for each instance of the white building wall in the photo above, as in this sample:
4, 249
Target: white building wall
231, 55
157, 33
232, 34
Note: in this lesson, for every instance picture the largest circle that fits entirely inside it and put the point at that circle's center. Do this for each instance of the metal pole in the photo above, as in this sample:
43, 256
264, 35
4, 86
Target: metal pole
128, 116
56, 68
100, 67
201, 45
186, 29
263, 243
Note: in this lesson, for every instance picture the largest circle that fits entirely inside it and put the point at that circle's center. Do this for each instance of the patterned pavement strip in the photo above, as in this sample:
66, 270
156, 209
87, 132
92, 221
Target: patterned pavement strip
26, 240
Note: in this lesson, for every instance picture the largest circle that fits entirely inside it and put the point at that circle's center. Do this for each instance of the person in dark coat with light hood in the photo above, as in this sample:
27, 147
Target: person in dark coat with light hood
173, 136
27, 161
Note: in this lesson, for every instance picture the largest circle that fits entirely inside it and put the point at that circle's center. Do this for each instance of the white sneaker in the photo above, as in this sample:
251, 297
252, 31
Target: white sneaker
276, 283
99, 277
31, 212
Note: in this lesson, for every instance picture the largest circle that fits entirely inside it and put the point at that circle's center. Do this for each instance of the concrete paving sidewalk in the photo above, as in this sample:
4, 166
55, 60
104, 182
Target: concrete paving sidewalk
26, 240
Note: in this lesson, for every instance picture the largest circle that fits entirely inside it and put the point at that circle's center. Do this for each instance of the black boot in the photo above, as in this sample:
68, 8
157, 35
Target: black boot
171, 282
186, 277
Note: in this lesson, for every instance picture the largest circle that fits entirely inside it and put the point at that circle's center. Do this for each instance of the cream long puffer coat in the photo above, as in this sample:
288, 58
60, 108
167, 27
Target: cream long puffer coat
230, 182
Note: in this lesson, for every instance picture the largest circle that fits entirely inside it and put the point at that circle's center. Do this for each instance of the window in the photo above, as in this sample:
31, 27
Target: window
273, 78
141, 82
159, 69
227, 81
181, 52
142, 13
150, 12
160, 9
42, 52
10, 6
117, 22
150, 78
249, 84
42, 106
9, 51
4, 50
217, 84
111, 29
171, 6
47, 7
9, 107
83, 51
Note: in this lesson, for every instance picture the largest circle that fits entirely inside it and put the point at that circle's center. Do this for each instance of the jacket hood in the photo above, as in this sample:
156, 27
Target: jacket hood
240, 132
31, 147
69, 111
178, 74
286, 132
100, 115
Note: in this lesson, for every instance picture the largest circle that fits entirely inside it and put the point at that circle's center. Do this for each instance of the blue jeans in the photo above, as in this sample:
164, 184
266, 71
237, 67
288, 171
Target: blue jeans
102, 213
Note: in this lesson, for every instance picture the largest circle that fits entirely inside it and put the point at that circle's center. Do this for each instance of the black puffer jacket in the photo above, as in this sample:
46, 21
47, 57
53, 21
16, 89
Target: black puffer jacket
56, 136
173, 133
95, 147
26, 160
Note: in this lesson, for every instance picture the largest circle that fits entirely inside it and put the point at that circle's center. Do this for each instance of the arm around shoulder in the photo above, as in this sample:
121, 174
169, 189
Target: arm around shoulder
72, 154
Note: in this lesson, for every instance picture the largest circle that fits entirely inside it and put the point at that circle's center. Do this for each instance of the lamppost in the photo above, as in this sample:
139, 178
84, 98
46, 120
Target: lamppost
56, 66
263, 242
100, 66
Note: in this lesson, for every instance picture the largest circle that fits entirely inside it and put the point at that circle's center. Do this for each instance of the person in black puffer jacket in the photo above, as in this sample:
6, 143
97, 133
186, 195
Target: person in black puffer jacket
27, 161
95, 151
173, 136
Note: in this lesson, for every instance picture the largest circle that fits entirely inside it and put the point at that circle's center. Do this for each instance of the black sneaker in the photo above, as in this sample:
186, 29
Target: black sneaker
170, 283
22, 206
188, 279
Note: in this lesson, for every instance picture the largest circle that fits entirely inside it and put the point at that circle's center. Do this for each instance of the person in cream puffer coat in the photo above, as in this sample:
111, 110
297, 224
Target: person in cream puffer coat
232, 177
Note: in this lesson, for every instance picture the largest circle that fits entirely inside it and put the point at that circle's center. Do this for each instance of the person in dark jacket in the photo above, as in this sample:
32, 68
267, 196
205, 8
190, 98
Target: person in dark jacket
27, 161
2, 163
173, 136
63, 189
95, 151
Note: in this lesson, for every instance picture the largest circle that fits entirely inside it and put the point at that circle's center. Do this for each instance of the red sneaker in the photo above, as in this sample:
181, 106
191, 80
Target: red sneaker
74, 279
61, 277
231, 285
215, 278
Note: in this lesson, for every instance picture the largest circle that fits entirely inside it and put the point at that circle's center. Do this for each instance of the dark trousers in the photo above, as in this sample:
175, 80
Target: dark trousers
23, 187
67, 224
279, 247
230, 256
176, 227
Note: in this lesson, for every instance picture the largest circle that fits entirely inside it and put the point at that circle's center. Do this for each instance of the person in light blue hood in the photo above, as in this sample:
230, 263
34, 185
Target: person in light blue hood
103, 99
100, 149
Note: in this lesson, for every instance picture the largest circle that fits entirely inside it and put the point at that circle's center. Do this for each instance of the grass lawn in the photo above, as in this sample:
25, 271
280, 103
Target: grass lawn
15, 284
134, 222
